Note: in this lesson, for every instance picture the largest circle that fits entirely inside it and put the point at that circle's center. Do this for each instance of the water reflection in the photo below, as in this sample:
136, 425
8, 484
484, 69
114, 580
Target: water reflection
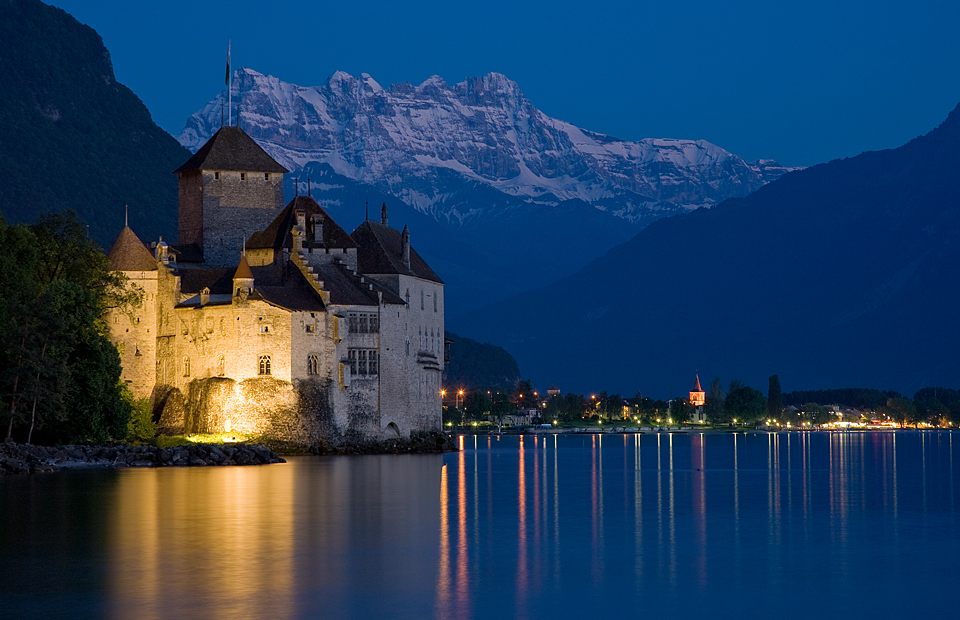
536, 526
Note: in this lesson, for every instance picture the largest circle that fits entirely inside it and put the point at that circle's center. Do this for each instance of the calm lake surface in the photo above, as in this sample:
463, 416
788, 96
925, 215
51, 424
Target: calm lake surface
574, 526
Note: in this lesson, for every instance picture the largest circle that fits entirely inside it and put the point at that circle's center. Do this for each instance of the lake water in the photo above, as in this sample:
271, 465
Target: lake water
574, 526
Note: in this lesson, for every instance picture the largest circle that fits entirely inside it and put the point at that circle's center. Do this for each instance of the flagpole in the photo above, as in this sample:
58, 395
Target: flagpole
229, 90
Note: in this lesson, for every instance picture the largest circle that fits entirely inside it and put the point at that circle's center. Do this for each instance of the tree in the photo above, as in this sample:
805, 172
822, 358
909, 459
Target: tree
500, 406
774, 398
680, 411
60, 373
900, 410
744, 403
476, 404
713, 403
523, 395
937, 405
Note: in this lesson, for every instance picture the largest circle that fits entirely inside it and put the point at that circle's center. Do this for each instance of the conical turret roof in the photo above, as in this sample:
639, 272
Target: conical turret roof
243, 269
129, 254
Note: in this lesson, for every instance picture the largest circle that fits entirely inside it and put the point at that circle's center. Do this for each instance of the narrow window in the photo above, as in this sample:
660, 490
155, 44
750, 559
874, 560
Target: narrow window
309, 328
266, 176
354, 323
186, 367
264, 365
352, 360
364, 324
221, 366
372, 362
374, 324
243, 176
313, 364
421, 299
434, 302
362, 361
265, 329
216, 176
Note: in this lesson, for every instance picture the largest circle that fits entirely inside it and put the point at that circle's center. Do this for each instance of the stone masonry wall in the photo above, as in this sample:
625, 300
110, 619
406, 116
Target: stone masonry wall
235, 208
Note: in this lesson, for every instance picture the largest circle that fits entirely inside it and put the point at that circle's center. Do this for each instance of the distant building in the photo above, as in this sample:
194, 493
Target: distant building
697, 399
273, 320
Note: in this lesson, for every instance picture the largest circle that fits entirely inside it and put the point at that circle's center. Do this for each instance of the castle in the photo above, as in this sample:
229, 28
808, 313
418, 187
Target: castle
273, 320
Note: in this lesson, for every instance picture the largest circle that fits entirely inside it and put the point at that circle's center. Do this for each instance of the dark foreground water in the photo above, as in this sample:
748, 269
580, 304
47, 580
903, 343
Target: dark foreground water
575, 526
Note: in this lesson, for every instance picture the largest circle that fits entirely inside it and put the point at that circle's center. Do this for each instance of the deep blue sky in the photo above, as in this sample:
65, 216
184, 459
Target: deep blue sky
801, 82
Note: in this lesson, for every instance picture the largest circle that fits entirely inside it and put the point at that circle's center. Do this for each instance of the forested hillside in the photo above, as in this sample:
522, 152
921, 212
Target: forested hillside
72, 137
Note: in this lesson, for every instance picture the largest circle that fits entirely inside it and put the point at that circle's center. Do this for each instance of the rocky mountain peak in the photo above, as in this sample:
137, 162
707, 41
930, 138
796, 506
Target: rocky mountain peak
432, 144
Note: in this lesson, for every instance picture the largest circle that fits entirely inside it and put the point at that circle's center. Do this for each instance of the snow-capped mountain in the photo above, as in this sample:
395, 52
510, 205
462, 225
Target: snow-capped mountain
442, 149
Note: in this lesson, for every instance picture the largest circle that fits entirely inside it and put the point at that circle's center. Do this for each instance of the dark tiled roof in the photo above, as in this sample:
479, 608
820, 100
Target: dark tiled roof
231, 149
286, 289
346, 289
380, 253
277, 234
129, 254
219, 281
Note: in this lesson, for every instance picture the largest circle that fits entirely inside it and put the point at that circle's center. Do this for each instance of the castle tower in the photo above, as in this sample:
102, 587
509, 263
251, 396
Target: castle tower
229, 189
134, 331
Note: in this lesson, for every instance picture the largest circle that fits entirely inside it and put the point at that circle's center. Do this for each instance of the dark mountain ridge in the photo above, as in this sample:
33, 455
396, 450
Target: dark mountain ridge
840, 274
71, 136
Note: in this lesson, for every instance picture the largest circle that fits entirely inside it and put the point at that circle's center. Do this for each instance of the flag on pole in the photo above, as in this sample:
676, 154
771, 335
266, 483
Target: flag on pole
227, 78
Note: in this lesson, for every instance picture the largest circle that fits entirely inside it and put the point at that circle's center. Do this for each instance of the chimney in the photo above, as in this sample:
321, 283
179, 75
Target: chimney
204, 296
405, 246
299, 231
383, 214
318, 229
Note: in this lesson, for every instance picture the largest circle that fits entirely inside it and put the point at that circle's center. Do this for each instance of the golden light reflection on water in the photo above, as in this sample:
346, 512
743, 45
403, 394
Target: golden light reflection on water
233, 521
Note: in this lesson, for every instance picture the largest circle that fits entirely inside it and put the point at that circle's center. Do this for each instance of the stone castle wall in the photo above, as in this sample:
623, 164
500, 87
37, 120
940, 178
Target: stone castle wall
234, 208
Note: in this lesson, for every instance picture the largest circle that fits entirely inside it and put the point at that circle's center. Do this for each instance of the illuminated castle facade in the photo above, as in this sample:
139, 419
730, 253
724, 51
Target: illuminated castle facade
273, 320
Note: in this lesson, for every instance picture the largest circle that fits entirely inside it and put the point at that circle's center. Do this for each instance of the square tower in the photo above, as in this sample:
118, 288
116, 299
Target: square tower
229, 189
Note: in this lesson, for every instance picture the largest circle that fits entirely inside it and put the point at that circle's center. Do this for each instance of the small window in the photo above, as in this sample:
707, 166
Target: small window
313, 364
434, 302
421, 299
216, 176
266, 176
221, 366
265, 329
264, 365
309, 328
243, 176
186, 367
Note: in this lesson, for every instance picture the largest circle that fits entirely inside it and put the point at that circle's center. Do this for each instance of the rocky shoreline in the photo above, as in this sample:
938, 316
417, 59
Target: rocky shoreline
24, 459
433, 442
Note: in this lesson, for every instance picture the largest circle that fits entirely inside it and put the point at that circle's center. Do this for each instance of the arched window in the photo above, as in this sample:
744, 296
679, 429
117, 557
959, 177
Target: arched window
186, 366
221, 366
264, 365
313, 364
